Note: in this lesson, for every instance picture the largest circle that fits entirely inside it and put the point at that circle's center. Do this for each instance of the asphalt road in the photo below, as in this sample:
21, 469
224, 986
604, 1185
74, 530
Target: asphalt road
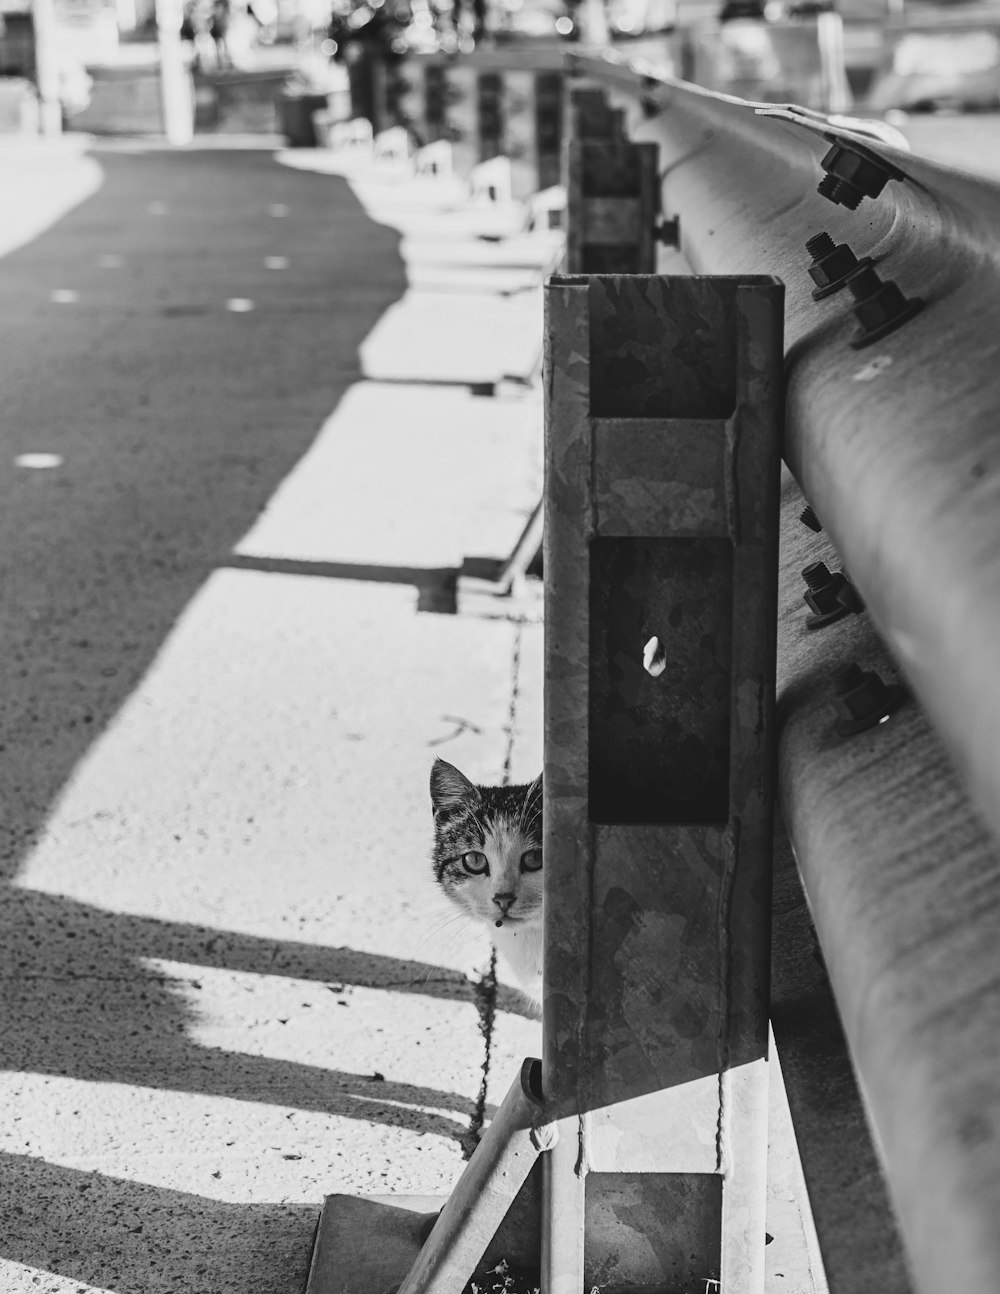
173, 417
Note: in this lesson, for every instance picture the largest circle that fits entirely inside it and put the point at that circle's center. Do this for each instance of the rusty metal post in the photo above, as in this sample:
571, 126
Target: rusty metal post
612, 191
663, 412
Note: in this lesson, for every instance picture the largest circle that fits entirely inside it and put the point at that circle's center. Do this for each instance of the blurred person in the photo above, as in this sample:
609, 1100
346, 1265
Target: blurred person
219, 30
265, 15
196, 27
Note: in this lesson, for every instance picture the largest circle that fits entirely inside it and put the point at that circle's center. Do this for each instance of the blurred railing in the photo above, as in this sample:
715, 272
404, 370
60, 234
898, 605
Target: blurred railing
889, 785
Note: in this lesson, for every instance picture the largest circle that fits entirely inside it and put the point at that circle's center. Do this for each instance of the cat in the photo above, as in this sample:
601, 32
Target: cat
488, 860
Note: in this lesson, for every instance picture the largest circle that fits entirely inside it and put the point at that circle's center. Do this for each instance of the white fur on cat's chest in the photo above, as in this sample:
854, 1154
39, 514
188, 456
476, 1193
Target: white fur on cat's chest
520, 946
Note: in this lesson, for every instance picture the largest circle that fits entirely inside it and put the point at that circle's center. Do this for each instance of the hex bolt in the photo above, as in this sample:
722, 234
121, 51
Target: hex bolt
668, 232
863, 700
880, 306
808, 518
849, 597
817, 576
832, 263
854, 172
825, 595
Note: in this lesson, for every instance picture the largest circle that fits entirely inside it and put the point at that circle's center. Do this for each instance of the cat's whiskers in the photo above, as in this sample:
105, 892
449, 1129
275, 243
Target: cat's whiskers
445, 924
453, 933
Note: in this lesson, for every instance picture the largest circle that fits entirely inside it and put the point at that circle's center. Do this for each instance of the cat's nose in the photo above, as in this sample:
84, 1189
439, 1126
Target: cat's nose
504, 902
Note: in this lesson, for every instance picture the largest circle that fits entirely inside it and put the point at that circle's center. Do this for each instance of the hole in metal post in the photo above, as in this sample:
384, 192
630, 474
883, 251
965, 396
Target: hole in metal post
659, 745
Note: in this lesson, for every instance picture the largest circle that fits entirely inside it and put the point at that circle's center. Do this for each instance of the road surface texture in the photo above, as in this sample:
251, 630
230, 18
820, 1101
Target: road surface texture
243, 456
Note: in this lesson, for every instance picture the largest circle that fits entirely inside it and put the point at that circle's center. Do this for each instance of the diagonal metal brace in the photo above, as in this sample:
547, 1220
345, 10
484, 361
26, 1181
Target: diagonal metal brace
486, 1190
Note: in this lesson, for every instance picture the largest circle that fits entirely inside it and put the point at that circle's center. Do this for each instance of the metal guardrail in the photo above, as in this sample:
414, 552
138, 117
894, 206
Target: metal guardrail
892, 435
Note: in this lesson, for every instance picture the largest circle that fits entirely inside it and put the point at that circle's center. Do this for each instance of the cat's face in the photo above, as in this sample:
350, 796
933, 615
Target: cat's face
488, 846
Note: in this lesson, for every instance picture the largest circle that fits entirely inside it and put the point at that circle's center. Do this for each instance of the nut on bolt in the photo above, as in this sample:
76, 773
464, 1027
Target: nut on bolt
863, 700
880, 306
668, 232
830, 595
854, 172
831, 264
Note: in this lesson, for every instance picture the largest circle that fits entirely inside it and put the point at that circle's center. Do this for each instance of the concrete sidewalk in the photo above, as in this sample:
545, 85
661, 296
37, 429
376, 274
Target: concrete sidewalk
230, 987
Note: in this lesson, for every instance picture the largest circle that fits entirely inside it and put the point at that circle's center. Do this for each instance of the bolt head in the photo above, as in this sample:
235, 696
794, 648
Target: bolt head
872, 330
822, 596
855, 169
849, 597
884, 304
835, 265
830, 273
867, 703
865, 699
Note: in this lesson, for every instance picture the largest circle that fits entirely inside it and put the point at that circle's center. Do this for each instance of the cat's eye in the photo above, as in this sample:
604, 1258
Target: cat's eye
531, 861
475, 863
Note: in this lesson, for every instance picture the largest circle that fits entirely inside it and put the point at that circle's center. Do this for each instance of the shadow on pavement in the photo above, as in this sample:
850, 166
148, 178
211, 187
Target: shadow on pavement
437, 586
82, 1002
173, 430
172, 415
107, 1233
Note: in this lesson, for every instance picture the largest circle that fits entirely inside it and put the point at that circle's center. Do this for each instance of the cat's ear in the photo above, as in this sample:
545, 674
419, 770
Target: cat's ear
451, 789
535, 789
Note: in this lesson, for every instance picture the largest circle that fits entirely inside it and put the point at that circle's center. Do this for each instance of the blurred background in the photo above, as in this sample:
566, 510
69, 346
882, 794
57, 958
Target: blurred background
441, 68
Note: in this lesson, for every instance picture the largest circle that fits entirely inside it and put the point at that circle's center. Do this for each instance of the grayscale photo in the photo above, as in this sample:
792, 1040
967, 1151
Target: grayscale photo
499, 621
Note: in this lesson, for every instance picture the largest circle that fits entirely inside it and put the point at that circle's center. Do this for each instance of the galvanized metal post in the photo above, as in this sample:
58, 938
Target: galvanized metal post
548, 106
663, 411
611, 192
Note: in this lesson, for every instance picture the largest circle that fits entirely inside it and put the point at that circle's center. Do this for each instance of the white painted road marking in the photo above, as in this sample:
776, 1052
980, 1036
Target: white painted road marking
38, 460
